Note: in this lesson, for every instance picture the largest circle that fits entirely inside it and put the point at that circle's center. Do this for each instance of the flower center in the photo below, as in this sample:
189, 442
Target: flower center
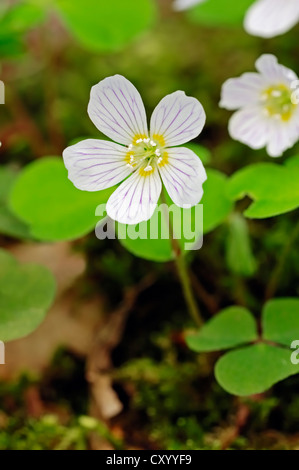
144, 153
277, 102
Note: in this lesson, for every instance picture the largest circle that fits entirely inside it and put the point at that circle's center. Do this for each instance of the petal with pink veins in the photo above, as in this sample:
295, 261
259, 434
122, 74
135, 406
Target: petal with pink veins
117, 110
177, 119
135, 200
183, 175
94, 165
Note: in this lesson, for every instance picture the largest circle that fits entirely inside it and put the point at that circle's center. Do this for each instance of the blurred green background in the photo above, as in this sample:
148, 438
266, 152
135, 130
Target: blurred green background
112, 345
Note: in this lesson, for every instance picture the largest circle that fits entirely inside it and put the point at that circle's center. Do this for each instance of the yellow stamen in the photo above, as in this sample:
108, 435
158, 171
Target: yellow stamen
138, 137
145, 173
278, 103
128, 156
159, 139
286, 116
163, 160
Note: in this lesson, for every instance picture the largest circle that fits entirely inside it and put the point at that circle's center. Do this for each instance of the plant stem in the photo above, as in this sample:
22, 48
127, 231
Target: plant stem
274, 280
183, 273
187, 289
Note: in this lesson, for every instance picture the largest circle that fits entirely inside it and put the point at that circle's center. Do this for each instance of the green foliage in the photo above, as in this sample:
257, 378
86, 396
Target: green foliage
216, 204
174, 393
273, 188
239, 255
220, 12
166, 394
255, 368
216, 207
21, 17
99, 26
9, 223
231, 327
26, 293
53, 208
15, 21
48, 433
281, 321
106, 25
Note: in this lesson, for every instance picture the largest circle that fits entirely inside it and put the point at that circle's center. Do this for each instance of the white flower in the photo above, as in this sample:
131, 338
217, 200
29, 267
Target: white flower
184, 4
268, 18
265, 18
268, 114
117, 110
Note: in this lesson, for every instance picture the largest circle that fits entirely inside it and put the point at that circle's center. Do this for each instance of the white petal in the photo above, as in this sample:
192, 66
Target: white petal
117, 110
241, 91
274, 72
135, 200
250, 127
184, 4
268, 18
283, 135
177, 119
183, 175
94, 165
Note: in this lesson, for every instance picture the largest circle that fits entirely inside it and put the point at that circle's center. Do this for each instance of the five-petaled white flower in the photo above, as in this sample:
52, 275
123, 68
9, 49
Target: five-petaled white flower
268, 111
184, 4
117, 110
268, 18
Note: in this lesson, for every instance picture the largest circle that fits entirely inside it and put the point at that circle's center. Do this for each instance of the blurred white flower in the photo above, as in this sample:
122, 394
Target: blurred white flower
268, 18
117, 110
268, 111
265, 18
184, 4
